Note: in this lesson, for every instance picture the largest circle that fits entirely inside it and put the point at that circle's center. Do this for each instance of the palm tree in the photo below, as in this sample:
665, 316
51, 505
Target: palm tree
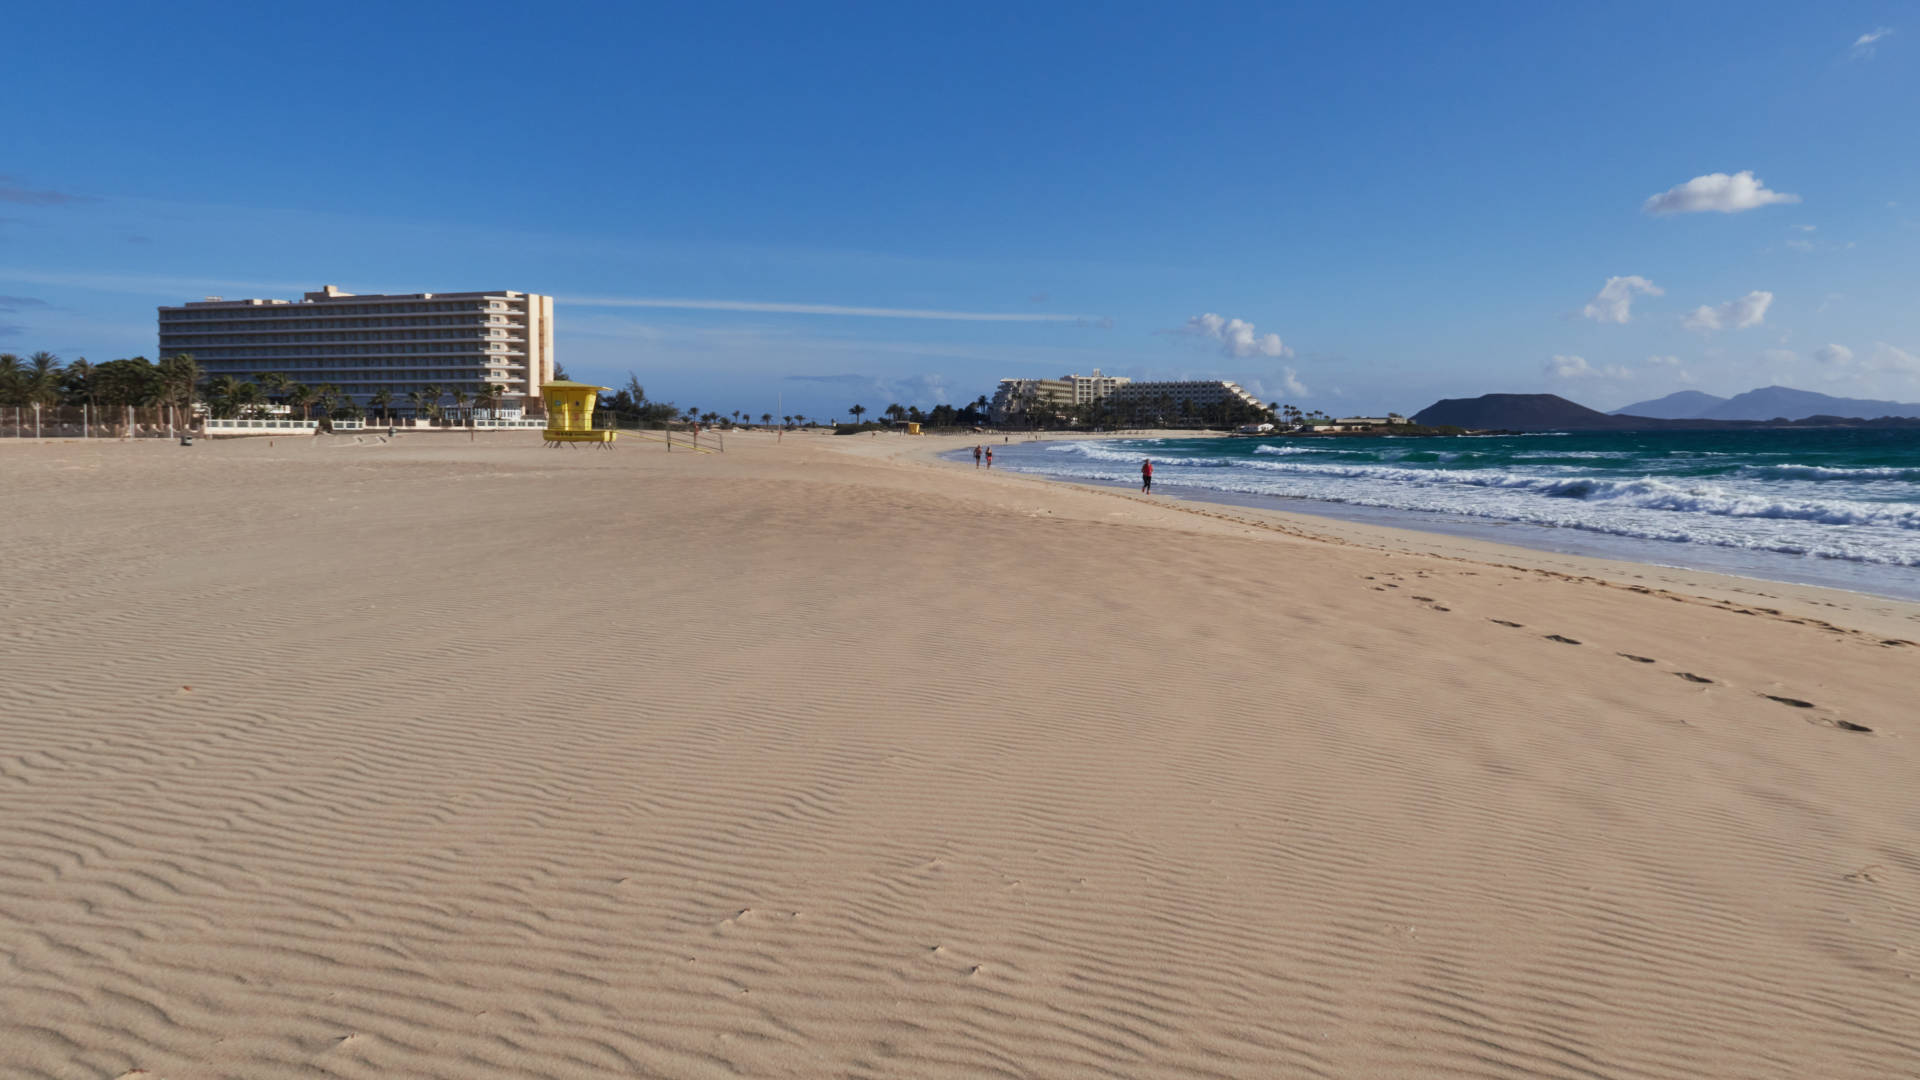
302, 395
247, 399
460, 402
380, 399
13, 380
179, 379
431, 394
42, 381
490, 394
328, 396
274, 383
417, 399
858, 411
220, 395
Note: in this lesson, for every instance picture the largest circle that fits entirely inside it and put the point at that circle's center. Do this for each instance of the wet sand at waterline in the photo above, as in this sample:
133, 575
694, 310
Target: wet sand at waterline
441, 758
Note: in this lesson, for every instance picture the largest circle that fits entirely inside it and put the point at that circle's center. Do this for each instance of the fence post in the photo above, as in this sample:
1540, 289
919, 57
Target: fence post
129, 429
36, 421
86, 423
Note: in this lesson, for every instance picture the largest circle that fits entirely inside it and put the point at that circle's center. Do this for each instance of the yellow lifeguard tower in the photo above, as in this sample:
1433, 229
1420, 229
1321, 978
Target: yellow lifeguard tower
570, 414
913, 427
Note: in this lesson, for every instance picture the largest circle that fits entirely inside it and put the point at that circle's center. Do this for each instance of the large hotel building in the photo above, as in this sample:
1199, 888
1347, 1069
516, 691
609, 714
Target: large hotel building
1015, 396
363, 344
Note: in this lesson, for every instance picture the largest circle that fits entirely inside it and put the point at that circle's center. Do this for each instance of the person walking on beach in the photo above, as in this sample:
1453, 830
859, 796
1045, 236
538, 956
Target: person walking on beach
976, 456
989, 457
1146, 477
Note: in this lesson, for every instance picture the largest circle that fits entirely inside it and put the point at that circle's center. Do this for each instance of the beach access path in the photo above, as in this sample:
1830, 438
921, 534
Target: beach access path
825, 757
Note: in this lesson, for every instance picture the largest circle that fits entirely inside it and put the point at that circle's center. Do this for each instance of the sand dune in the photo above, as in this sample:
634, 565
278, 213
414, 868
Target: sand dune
816, 759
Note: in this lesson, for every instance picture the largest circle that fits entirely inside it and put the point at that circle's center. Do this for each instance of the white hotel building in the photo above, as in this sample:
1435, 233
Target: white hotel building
363, 344
1015, 396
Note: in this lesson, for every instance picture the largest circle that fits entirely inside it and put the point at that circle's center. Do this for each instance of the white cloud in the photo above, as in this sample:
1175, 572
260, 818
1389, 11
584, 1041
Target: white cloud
1888, 358
1285, 385
1749, 310
1780, 357
1236, 336
1614, 302
1835, 355
1863, 45
1576, 367
778, 308
1716, 191
1664, 361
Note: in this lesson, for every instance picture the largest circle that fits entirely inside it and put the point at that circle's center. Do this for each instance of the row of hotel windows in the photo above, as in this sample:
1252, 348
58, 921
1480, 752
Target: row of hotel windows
307, 308
399, 391
382, 378
211, 354
233, 364
178, 340
176, 319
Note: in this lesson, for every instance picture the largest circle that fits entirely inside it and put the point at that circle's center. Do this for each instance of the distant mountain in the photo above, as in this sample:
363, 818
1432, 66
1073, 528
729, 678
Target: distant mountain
1773, 402
1681, 405
1551, 412
1522, 412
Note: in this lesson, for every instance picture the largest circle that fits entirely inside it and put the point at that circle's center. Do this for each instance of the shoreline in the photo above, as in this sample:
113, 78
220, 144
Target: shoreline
1895, 615
1868, 580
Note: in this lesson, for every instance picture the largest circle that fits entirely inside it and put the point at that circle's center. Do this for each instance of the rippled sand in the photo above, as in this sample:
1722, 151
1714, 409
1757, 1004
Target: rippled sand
452, 759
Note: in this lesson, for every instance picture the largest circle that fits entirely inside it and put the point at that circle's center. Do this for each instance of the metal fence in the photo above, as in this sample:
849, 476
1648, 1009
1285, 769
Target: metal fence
93, 422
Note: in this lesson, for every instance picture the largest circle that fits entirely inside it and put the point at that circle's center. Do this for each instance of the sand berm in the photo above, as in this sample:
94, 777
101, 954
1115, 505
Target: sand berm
824, 758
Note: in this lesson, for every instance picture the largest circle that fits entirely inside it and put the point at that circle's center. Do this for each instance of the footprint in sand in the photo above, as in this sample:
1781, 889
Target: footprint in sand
1793, 701
1562, 640
1637, 659
1691, 677
1848, 725
1424, 599
1506, 622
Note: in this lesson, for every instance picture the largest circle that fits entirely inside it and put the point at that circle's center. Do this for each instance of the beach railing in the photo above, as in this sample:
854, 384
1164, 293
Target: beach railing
151, 422
261, 426
94, 422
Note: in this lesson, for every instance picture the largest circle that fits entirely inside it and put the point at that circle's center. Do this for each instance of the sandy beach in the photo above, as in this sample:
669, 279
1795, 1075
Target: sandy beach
825, 757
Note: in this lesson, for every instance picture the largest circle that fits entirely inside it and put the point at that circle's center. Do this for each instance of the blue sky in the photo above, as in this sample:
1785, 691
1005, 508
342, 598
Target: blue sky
1404, 201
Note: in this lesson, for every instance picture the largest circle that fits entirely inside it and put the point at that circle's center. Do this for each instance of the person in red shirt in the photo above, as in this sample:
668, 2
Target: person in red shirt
1146, 477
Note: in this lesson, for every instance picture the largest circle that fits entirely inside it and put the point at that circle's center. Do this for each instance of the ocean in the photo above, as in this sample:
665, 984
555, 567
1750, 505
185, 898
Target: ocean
1837, 507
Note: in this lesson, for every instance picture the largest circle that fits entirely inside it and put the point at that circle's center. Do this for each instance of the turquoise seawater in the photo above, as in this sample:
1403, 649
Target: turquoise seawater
1835, 507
